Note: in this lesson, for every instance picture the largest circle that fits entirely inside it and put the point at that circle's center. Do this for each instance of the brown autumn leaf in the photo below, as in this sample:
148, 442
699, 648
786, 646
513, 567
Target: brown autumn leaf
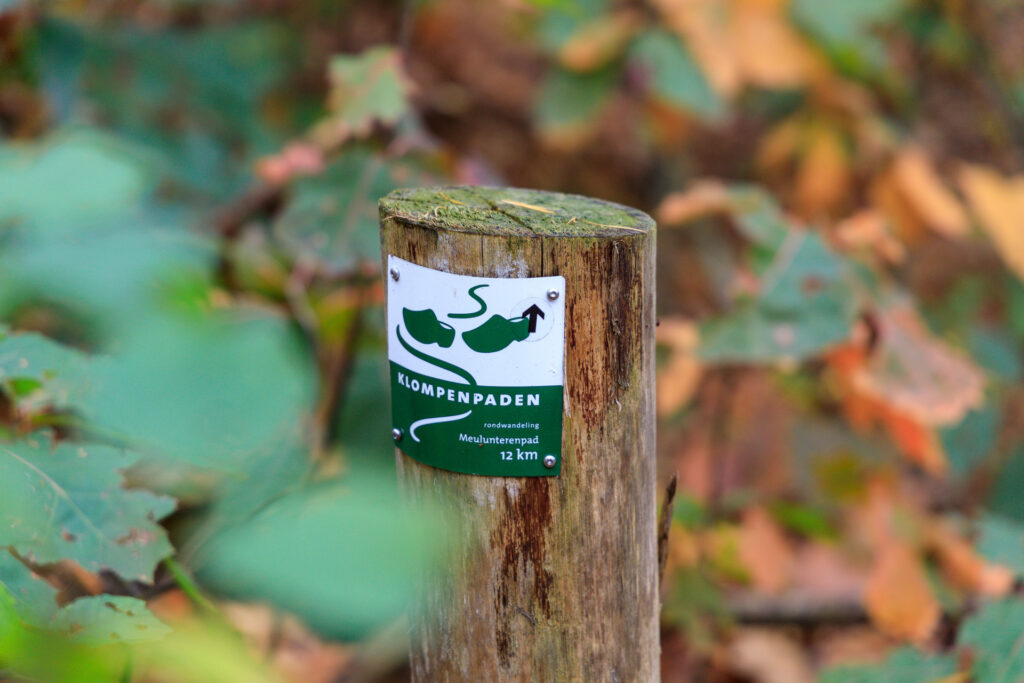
998, 202
598, 42
963, 566
897, 596
924, 192
678, 379
765, 550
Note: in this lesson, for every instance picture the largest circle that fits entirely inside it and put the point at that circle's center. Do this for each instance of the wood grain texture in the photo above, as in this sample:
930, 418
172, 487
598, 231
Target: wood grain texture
558, 578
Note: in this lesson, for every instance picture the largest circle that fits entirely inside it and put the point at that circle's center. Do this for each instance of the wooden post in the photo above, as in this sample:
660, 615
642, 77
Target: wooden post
558, 581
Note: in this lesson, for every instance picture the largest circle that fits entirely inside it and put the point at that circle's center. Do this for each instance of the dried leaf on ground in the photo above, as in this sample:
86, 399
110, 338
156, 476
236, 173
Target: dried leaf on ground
965, 567
998, 201
898, 598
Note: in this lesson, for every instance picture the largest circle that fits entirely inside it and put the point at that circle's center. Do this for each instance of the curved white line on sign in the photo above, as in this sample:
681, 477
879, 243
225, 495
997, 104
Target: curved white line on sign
434, 420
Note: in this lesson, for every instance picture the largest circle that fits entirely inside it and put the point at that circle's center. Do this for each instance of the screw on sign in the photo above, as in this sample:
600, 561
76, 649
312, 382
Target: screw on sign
531, 442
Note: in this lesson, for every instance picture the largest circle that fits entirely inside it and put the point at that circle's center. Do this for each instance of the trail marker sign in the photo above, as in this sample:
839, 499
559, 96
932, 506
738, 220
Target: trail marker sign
476, 370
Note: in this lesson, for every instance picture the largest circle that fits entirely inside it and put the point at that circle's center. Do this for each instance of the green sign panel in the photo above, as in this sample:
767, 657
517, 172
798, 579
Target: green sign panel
476, 370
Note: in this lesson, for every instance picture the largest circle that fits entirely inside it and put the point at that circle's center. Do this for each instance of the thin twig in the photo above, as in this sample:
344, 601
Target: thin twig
188, 586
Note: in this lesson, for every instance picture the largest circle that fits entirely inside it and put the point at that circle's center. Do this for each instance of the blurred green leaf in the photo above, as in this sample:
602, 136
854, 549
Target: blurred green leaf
805, 304
331, 218
970, 441
695, 605
996, 352
346, 556
675, 76
55, 374
759, 219
689, 511
90, 620
905, 665
195, 97
563, 17
201, 652
1001, 540
993, 635
364, 422
846, 29
32, 599
213, 390
804, 519
78, 176
90, 517
569, 103
107, 619
106, 282
1006, 497
367, 88
33, 654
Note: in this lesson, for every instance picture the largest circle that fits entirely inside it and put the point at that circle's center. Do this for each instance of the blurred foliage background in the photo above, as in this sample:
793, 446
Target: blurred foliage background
196, 478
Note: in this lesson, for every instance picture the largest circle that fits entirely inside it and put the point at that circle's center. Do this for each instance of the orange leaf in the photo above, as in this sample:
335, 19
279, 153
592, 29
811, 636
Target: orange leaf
758, 29
823, 177
703, 198
778, 146
927, 195
703, 25
910, 384
965, 567
678, 379
889, 199
918, 443
917, 374
999, 204
597, 42
898, 598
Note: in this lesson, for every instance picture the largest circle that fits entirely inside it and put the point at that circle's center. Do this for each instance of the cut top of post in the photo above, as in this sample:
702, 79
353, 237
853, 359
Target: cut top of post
513, 211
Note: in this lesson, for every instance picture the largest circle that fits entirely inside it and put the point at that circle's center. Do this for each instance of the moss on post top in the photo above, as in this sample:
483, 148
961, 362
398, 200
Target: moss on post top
513, 211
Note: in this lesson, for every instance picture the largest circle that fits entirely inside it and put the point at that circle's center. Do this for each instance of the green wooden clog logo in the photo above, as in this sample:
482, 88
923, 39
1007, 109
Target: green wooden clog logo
506, 424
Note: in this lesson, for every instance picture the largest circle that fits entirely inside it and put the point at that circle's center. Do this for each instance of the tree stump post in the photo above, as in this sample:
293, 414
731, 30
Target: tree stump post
557, 577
